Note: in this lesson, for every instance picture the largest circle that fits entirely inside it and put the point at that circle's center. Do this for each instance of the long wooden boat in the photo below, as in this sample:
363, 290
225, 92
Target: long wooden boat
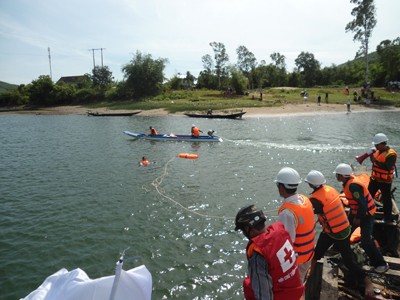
174, 137
127, 114
217, 116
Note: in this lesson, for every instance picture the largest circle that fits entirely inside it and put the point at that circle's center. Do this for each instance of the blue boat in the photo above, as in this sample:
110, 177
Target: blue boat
174, 137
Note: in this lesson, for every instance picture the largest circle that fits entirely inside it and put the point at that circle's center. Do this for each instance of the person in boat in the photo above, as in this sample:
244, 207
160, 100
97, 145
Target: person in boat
362, 210
296, 213
195, 131
382, 174
153, 131
336, 229
272, 268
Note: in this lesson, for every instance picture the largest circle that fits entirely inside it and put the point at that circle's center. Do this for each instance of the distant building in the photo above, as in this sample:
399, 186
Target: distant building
79, 81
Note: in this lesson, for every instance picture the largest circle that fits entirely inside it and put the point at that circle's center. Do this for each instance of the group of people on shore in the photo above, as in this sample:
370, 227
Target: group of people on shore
282, 256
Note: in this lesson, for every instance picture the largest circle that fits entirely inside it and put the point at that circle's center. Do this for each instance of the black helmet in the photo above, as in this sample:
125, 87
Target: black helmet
249, 216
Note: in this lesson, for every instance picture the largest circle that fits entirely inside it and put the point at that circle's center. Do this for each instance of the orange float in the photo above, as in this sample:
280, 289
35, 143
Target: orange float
188, 156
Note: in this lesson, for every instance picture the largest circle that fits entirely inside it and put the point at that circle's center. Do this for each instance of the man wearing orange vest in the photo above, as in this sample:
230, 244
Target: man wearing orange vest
362, 210
272, 267
383, 170
153, 131
336, 228
296, 214
195, 131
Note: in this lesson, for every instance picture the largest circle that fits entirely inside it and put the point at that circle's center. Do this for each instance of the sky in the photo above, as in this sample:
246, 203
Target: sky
178, 30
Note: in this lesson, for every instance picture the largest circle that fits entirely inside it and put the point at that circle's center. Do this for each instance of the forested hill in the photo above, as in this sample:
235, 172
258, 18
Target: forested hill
372, 58
4, 86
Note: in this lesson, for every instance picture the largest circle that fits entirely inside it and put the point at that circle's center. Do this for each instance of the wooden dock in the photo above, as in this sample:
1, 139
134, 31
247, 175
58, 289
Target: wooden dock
327, 281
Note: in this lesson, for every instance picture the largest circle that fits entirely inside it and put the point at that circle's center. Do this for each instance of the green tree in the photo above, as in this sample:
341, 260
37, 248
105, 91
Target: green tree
221, 61
63, 94
260, 75
308, 67
280, 76
40, 91
206, 78
362, 26
208, 63
239, 82
101, 77
15, 97
144, 75
246, 62
389, 58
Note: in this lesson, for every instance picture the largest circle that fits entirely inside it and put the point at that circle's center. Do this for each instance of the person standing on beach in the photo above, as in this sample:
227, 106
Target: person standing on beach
382, 174
362, 210
336, 228
296, 213
348, 105
319, 99
326, 98
272, 268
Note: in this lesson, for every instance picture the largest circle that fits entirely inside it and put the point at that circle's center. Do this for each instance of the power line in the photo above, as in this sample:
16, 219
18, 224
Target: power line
94, 62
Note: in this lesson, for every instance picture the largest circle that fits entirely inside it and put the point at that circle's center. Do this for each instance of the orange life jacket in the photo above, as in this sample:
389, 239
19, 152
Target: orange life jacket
334, 219
371, 208
153, 131
195, 131
144, 162
304, 242
379, 173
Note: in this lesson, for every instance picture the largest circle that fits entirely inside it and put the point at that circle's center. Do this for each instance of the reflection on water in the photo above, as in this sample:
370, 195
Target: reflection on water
74, 196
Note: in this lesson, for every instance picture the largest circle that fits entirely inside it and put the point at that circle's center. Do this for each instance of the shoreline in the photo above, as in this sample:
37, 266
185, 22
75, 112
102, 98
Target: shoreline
285, 110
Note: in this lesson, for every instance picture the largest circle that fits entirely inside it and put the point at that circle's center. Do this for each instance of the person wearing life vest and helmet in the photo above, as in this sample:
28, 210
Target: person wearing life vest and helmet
362, 210
296, 213
382, 174
195, 131
272, 268
336, 228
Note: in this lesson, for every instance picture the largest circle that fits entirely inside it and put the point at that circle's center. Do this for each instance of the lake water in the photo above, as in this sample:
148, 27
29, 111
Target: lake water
72, 194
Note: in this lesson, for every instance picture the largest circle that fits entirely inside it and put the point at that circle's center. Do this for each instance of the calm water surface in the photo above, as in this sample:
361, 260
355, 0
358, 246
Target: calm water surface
72, 194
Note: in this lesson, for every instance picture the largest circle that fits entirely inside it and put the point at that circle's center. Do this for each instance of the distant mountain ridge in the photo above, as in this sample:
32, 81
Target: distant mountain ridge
4, 86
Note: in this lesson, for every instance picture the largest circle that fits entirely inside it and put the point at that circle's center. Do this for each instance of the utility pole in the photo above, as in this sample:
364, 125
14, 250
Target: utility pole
51, 75
101, 49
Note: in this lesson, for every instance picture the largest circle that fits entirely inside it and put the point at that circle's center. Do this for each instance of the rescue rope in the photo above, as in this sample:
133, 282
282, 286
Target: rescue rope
157, 183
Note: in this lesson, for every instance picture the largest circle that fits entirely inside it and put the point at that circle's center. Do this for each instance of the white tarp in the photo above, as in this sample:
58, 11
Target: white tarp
134, 284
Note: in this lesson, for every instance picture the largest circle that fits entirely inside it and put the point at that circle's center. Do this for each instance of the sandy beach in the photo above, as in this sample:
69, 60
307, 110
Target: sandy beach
287, 109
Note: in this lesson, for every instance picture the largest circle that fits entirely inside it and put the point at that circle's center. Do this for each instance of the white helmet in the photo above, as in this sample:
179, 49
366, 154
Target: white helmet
288, 177
379, 138
343, 169
316, 178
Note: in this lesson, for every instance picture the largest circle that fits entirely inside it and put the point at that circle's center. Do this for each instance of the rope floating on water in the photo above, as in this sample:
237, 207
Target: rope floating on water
157, 183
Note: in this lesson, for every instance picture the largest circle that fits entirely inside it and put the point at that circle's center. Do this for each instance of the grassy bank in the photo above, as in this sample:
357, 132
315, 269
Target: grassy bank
201, 100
